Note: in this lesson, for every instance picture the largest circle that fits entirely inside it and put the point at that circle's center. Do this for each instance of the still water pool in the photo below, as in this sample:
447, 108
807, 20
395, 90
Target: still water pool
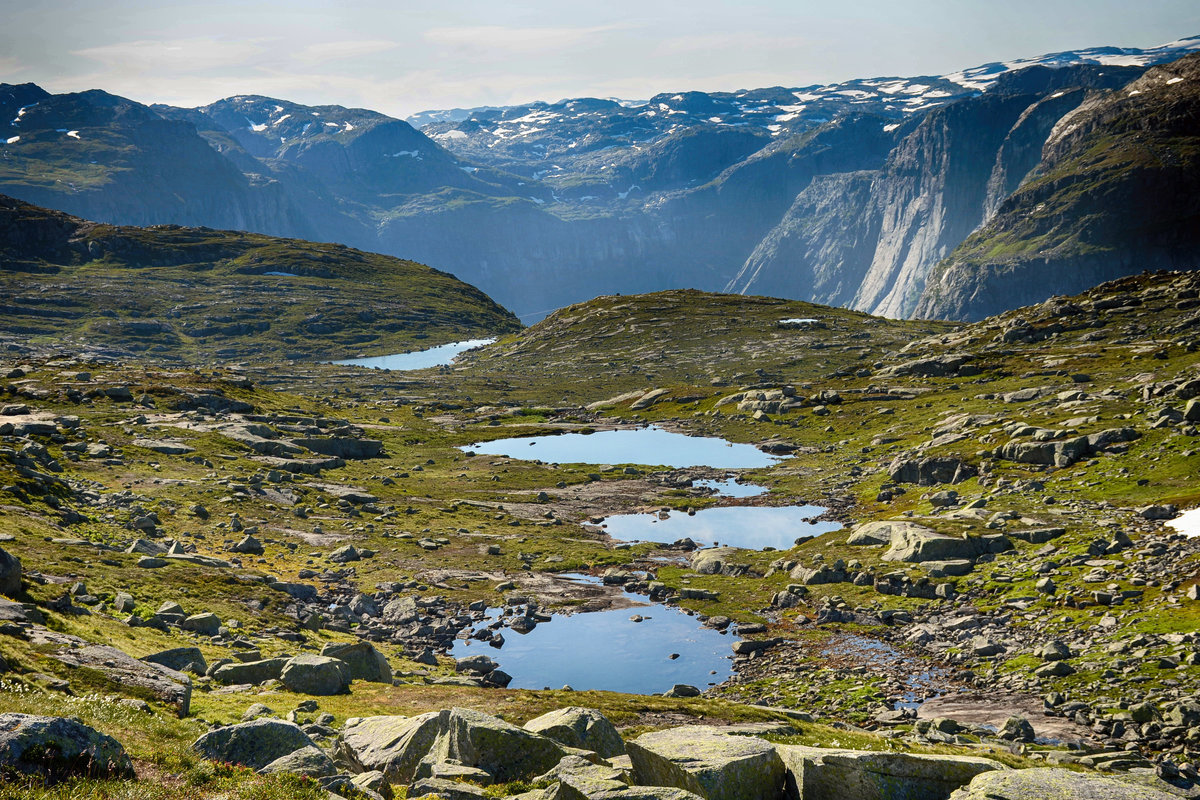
606, 650
750, 527
419, 359
651, 446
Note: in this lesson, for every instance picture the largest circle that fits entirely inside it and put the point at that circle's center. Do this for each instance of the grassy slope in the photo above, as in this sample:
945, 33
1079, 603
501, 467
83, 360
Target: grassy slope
195, 294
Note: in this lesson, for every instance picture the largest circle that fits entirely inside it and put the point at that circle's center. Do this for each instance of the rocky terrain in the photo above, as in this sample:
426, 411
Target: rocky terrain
847, 194
257, 583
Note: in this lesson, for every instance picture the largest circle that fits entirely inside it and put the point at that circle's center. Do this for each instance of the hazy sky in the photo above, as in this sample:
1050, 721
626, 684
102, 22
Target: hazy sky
400, 57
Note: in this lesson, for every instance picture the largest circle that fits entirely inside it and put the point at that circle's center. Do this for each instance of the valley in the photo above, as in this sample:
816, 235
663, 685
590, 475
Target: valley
992, 573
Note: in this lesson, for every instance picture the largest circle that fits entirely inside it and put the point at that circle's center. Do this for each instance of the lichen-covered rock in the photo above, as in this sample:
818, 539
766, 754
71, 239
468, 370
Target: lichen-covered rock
124, 670
180, 659
365, 662
582, 728
58, 747
318, 675
718, 561
818, 772
309, 760
252, 744
882, 532
711, 764
1054, 784
396, 745
10, 574
250, 672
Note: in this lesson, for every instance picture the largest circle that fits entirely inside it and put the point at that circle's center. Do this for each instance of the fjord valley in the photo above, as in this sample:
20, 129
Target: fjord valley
847, 194
921, 525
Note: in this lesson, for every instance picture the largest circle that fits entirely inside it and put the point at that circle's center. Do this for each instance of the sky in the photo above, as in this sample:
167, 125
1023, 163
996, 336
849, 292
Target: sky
400, 57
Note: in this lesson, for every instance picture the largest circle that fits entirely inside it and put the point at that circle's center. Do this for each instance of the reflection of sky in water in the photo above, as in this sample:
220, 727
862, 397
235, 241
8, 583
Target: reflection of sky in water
421, 359
608, 651
751, 527
731, 488
650, 445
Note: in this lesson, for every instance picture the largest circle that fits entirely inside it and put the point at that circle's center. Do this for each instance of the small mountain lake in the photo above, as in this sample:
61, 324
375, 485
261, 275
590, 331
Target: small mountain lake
651, 445
418, 359
606, 650
749, 527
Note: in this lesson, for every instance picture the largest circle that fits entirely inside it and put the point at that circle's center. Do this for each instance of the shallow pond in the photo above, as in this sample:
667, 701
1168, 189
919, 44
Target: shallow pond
731, 488
651, 446
606, 650
419, 359
749, 527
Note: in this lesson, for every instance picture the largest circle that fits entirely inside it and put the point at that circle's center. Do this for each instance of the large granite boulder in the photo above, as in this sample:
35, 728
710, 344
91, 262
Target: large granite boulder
365, 662
719, 561
318, 675
1055, 784
180, 659
396, 745
58, 747
253, 744
916, 544
817, 772
309, 760
582, 728
882, 532
709, 763
576, 778
250, 672
122, 669
10, 574
930, 471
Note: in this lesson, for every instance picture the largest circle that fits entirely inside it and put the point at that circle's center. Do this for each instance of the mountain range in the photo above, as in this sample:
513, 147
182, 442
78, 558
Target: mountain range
850, 194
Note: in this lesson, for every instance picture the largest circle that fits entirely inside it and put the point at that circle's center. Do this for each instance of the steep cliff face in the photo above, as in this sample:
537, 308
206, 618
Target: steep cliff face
820, 249
872, 247
1117, 191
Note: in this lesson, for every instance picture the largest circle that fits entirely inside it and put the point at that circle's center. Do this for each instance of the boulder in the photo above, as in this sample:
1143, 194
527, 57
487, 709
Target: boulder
317, 675
706, 762
915, 544
930, 471
1016, 729
252, 744
180, 659
58, 747
365, 662
819, 773
1054, 784
250, 672
396, 745
124, 670
882, 532
309, 760
718, 561
248, 546
401, 611
207, 624
582, 728
10, 574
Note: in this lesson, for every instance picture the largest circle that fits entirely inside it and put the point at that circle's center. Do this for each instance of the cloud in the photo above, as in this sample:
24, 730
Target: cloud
517, 40
333, 51
176, 55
